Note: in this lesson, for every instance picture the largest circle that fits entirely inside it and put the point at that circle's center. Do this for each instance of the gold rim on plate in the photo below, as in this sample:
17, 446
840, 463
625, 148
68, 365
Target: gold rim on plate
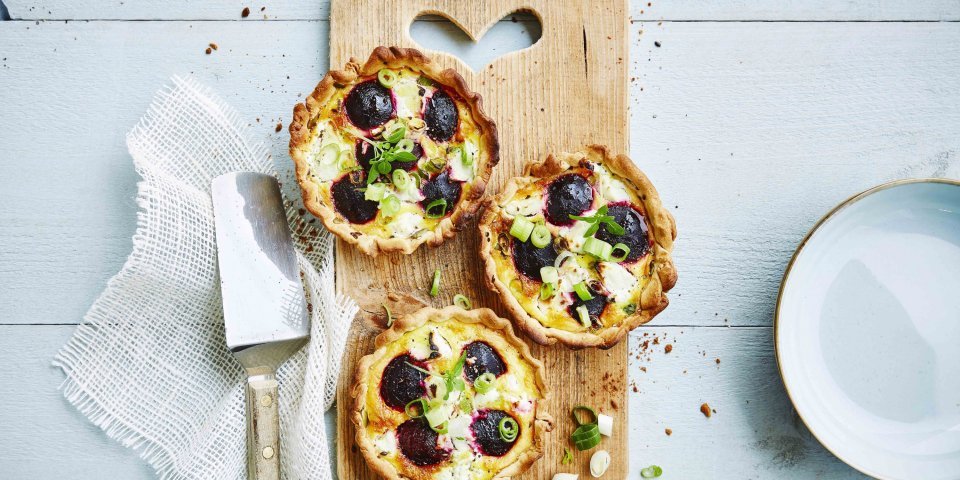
786, 275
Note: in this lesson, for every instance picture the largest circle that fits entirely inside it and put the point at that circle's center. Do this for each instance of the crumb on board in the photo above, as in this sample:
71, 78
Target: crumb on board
209, 50
668, 348
705, 410
245, 13
213, 45
668, 431
718, 361
279, 127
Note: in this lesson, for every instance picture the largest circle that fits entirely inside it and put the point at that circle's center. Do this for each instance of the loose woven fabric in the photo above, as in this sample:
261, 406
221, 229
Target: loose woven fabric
149, 363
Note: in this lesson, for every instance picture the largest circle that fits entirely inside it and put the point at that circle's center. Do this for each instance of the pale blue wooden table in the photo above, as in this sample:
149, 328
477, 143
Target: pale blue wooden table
753, 118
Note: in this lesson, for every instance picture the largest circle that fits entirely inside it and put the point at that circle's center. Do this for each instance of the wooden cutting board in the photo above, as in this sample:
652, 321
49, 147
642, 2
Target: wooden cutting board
568, 89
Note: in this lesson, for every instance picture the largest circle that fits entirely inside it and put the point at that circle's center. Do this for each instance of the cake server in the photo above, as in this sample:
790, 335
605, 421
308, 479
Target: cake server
264, 308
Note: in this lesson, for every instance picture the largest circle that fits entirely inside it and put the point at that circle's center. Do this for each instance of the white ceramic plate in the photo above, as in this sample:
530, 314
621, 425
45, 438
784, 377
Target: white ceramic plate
868, 330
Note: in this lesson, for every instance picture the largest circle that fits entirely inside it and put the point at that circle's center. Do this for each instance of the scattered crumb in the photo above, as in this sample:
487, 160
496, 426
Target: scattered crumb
718, 361
668, 431
705, 410
213, 45
245, 13
209, 50
668, 348
657, 44
279, 127
635, 389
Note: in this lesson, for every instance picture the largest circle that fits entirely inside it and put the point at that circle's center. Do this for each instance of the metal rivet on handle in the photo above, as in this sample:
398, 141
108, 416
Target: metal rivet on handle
267, 452
266, 400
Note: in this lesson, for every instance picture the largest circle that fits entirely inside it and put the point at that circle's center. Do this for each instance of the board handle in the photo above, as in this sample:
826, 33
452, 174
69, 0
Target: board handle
263, 428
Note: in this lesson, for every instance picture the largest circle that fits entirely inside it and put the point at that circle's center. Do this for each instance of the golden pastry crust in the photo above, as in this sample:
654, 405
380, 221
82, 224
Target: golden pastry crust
304, 114
498, 333
662, 276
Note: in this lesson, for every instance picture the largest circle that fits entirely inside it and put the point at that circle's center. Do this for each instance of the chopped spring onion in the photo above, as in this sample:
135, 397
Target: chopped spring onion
583, 315
567, 456
414, 412
466, 403
396, 133
387, 78
389, 205
389, 315
584, 408
562, 258
435, 285
345, 163
598, 248
436, 208
437, 414
521, 228
653, 471
465, 157
565, 476
599, 463
605, 424
540, 236
375, 192
582, 291
484, 382
615, 256
442, 428
547, 290
586, 436
549, 274
462, 301
405, 145
508, 429
401, 179
329, 154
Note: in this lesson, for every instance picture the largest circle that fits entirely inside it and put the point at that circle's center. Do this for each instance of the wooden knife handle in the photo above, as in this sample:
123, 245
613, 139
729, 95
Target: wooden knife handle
263, 428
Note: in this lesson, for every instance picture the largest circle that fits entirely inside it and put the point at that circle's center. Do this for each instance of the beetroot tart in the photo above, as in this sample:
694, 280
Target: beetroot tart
449, 394
392, 153
579, 248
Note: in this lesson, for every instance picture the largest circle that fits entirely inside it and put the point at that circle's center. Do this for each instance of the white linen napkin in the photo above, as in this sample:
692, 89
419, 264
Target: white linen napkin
149, 363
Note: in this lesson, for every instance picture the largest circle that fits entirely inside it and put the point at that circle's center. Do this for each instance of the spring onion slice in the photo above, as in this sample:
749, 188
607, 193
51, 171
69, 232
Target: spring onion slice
578, 408
389, 315
416, 413
401, 179
653, 471
549, 274
484, 382
375, 192
615, 256
404, 145
547, 290
466, 403
396, 133
465, 157
389, 205
387, 78
442, 428
586, 436
521, 228
462, 301
329, 154
435, 285
567, 456
540, 236
508, 429
598, 248
437, 208
562, 258
582, 291
583, 315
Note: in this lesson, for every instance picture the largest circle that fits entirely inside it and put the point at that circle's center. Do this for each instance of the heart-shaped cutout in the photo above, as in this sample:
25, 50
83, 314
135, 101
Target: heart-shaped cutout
516, 31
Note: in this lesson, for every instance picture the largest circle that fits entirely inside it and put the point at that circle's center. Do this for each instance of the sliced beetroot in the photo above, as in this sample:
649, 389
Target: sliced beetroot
365, 153
635, 236
440, 115
482, 358
595, 305
530, 259
349, 201
418, 442
486, 432
401, 383
567, 195
369, 105
441, 186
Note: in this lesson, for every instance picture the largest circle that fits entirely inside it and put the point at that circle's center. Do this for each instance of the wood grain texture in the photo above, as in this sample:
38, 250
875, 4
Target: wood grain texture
583, 49
812, 10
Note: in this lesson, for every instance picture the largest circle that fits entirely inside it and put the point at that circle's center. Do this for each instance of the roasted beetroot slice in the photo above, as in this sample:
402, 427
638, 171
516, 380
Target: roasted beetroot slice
636, 235
440, 115
482, 358
365, 153
349, 201
418, 442
401, 383
369, 105
530, 259
567, 195
441, 186
486, 432
595, 305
